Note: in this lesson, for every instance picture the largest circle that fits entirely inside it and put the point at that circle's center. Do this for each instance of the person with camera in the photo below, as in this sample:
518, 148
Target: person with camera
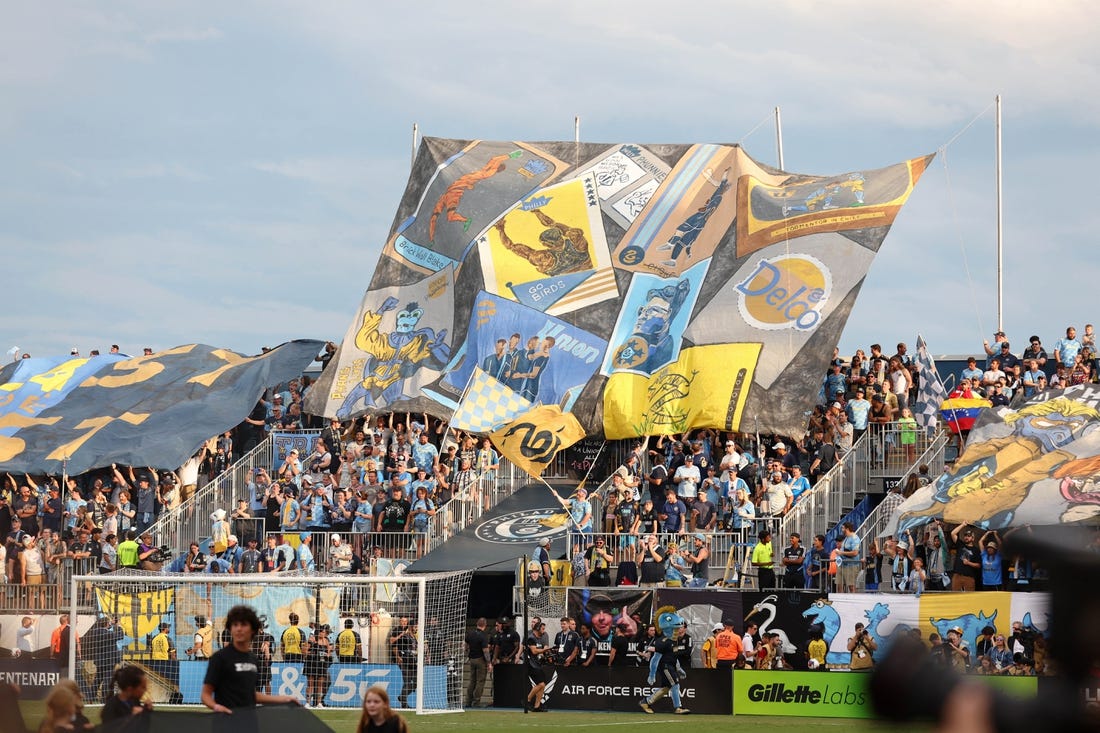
651, 559
862, 647
202, 646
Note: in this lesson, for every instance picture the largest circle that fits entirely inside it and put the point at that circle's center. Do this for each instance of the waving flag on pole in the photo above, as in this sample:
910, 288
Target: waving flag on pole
931, 393
487, 404
533, 439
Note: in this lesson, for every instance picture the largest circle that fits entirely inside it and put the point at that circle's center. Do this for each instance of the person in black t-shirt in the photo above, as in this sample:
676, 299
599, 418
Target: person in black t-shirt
477, 653
232, 672
532, 653
132, 685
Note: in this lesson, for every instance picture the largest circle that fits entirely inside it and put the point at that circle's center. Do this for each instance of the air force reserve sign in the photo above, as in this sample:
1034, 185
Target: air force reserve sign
523, 527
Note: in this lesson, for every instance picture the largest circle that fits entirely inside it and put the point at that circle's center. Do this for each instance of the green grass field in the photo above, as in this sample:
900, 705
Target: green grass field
344, 721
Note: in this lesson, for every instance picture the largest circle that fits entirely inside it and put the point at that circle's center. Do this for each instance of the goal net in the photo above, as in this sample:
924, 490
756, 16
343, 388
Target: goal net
326, 638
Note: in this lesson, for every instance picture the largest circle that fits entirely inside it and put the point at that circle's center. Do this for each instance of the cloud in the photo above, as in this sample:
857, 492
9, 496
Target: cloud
184, 35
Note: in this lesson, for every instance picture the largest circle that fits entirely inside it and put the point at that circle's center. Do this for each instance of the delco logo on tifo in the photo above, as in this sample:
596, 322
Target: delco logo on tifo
520, 527
787, 291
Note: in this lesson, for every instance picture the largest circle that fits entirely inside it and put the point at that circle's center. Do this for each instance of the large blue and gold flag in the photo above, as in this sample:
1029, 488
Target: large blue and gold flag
155, 410
646, 289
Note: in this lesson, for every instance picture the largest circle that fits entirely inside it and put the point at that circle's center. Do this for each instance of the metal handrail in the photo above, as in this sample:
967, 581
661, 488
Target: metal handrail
832, 495
877, 521
191, 518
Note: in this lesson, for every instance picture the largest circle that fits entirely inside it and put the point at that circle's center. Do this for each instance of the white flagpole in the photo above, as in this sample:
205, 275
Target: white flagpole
1000, 228
779, 138
415, 142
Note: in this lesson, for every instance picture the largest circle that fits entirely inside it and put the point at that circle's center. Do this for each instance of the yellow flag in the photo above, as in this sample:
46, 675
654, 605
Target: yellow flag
139, 614
706, 387
533, 439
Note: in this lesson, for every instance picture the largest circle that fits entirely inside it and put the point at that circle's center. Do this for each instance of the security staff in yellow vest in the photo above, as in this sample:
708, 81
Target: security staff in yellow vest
349, 649
162, 660
161, 648
203, 645
293, 641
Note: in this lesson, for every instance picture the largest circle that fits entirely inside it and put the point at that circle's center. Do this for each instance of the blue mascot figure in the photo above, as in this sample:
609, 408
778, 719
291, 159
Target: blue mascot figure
671, 652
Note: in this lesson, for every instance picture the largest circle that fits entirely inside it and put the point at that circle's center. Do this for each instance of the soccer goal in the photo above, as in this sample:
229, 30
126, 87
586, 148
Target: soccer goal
325, 639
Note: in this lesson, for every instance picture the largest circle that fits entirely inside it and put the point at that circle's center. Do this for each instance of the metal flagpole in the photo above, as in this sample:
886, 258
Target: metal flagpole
1000, 228
779, 138
415, 142
577, 129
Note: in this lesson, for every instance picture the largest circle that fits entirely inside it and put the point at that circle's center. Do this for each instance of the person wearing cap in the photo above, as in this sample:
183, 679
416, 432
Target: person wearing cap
202, 646
994, 349
541, 557
290, 511
699, 558
836, 382
858, 411
992, 564
778, 497
579, 510
421, 511
687, 478
305, 559
598, 563
286, 556
968, 566
703, 513
625, 523
1035, 351
291, 468
232, 553
954, 650
394, 515
708, 651
728, 645
251, 558
901, 563
316, 507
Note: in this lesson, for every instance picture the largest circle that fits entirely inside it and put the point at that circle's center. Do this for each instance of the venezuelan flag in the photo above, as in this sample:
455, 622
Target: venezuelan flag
960, 412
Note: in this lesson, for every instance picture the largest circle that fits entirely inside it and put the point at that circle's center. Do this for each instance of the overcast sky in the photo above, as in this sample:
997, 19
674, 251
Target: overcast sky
227, 173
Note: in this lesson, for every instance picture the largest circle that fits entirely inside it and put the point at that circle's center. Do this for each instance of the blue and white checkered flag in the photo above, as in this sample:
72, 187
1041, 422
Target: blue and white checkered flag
931, 393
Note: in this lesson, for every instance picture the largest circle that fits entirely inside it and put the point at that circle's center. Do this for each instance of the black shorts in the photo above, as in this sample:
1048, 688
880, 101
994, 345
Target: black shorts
536, 674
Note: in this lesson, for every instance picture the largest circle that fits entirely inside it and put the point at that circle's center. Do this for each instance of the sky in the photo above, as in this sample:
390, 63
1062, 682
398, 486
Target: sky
227, 173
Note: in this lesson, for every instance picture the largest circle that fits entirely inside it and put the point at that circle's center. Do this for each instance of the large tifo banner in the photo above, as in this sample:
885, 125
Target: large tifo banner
84, 413
645, 288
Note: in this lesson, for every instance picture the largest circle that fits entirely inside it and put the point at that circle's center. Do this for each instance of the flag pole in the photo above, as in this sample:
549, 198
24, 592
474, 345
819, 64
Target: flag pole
1000, 227
415, 142
779, 138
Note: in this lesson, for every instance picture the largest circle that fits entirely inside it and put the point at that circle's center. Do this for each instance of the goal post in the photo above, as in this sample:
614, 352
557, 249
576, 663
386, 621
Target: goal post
404, 633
